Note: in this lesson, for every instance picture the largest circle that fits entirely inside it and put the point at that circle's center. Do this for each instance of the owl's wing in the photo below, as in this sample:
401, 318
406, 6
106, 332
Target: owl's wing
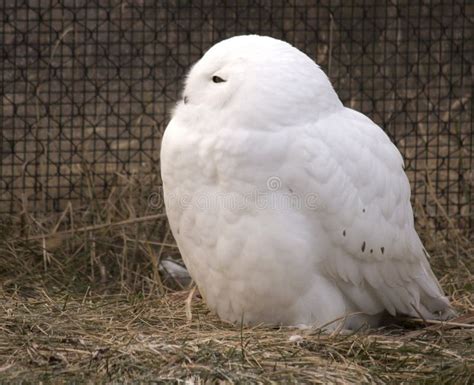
368, 241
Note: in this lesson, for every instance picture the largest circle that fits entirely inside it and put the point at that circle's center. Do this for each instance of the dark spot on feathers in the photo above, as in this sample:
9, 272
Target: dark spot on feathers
382, 249
371, 251
177, 231
363, 210
290, 190
185, 100
344, 233
363, 246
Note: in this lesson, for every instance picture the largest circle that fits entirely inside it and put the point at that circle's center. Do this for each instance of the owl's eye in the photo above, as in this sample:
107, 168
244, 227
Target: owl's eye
217, 79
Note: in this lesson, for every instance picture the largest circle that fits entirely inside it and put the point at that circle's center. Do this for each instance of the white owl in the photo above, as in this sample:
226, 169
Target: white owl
289, 208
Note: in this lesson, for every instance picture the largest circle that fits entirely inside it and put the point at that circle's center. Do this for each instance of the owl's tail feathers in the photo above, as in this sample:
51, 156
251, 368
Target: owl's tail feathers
434, 308
433, 304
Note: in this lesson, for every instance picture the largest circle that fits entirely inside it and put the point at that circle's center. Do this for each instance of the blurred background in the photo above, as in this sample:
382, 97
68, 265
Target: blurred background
88, 88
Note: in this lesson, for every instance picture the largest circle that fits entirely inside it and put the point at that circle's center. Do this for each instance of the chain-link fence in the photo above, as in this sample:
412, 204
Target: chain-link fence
87, 87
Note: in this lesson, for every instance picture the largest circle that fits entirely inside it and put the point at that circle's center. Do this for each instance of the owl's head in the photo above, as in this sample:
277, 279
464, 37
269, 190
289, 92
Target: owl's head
257, 77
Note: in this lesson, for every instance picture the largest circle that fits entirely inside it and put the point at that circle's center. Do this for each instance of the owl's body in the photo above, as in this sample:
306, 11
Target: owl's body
287, 207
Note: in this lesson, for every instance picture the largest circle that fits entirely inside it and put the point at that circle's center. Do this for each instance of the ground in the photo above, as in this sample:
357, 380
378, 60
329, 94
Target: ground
53, 336
91, 306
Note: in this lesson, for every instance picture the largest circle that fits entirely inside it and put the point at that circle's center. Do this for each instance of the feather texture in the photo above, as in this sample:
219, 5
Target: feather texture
287, 207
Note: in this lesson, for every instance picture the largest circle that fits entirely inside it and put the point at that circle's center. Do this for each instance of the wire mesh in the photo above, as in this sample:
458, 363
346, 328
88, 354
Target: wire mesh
88, 86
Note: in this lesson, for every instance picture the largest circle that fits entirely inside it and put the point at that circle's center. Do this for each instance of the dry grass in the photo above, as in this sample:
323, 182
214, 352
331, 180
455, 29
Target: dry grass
56, 335
90, 305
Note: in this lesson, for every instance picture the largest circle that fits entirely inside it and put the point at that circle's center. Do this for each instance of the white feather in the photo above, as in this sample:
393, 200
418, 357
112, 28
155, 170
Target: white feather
352, 247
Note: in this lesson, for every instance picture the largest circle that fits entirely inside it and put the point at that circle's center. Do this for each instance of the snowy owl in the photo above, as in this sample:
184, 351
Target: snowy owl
287, 207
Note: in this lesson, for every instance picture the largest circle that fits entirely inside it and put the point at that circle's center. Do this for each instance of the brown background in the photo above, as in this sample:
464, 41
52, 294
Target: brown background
87, 87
